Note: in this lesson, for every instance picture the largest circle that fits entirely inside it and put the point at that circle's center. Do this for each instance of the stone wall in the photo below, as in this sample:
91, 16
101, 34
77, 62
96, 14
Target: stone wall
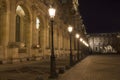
20, 40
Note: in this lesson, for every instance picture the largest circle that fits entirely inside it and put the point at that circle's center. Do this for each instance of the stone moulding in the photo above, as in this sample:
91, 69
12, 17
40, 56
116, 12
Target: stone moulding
16, 45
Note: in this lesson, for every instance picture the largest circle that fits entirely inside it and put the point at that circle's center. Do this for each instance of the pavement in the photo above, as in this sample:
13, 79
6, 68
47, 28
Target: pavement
95, 67
30, 70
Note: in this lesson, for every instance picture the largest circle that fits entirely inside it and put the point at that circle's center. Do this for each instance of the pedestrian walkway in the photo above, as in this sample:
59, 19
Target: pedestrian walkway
30, 70
95, 67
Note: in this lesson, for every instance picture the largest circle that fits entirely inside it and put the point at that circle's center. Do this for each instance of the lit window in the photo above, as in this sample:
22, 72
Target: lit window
37, 23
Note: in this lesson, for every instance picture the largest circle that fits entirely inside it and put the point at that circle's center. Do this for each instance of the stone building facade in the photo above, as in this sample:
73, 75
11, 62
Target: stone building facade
104, 42
25, 28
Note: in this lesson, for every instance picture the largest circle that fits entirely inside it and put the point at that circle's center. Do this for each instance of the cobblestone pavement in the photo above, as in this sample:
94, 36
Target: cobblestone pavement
29, 70
95, 67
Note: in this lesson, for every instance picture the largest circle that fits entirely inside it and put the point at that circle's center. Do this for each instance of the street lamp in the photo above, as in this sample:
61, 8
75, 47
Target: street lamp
81, 39
77, 35
53, 73
78, 56
70, 28
81, 55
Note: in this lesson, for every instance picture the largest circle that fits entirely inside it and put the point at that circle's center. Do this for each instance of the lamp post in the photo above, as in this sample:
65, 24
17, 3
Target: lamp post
53, 73
78, 56
81, 55
70, 28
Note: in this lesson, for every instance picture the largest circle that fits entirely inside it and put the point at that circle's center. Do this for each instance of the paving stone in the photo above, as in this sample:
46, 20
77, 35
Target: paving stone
96, 67
29, 70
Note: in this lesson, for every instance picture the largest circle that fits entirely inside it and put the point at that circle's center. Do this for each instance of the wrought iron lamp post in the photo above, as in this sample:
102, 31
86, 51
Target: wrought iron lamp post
70, 28
78, 55
53, 73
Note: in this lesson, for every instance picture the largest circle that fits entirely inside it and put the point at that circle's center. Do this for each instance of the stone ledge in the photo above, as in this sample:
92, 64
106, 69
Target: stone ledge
31, 59
23, 59
38, 58
15, 60
9, 61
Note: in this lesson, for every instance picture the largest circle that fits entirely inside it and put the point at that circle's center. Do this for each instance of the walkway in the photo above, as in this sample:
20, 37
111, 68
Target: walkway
30, 70
96, 67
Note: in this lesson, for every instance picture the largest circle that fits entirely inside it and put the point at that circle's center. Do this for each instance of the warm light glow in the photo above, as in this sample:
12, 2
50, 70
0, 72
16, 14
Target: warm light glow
118, 36
52, 12
84, 42
70, 28
22, 45
38, 45
37, 23
20, 11
81, 39
77, 35
87, 45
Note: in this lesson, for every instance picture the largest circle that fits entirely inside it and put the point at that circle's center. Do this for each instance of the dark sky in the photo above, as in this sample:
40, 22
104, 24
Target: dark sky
100, 16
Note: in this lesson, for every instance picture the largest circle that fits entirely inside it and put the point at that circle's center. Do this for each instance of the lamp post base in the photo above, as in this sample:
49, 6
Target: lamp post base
53, 73
53, 76
71, 60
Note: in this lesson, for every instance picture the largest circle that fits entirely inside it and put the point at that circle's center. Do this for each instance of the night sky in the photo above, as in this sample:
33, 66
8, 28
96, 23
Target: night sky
100, 16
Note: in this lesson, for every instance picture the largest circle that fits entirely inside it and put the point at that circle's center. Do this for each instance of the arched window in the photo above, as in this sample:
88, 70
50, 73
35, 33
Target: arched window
17, 28
20, 13
38, 29
37, 23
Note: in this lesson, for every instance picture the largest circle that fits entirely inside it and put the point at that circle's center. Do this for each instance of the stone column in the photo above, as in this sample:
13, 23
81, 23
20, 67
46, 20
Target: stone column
60, 40
34, 35
47, 39
29, 38
33, 28
12, 22
4, 30
12, 54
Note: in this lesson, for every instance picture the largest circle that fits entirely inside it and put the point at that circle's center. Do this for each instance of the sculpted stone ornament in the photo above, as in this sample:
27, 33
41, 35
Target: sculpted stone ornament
75, 4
